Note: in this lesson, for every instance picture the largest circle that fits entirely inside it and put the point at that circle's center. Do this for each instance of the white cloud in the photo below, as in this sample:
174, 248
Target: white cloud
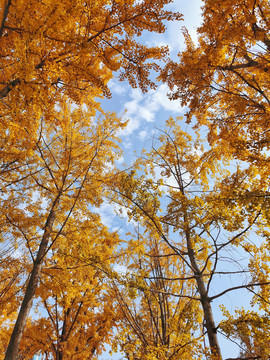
142, 134
158, 42
136, 94
128, 144
145, 107
107, 214
151, 107
146, 114
120, 160
120, 269
132, 125
159, 100
169, 182
116, 87
17, 254
123, 213
131, 106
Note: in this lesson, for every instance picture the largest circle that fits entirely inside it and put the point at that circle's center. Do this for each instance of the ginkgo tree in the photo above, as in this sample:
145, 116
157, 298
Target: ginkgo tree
14, 269
42, 194
52, 50
224, 78
224, 81
74, 305
252, 326
56, 59
196, 208
159, 319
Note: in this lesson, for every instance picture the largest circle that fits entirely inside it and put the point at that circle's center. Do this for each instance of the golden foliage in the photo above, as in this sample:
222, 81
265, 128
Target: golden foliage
225, 78
54, 51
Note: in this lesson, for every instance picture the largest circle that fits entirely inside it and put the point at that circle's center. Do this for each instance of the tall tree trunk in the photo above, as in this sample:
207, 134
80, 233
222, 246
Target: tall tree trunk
16, 336
209, 322
205, 301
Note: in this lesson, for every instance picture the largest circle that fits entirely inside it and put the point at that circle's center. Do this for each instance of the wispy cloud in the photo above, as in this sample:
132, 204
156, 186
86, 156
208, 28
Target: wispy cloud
144, 108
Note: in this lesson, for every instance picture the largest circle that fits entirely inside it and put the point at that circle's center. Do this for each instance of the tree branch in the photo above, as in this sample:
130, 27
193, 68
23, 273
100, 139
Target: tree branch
5, 14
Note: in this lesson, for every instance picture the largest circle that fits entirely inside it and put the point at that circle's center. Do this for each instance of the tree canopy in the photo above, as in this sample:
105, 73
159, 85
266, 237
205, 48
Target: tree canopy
225, 78
54, 51
197, 201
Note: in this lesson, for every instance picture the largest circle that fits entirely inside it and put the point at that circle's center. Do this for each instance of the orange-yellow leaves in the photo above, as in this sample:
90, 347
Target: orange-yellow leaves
75, 307
50, 196
225, 78
51, 52
251, 328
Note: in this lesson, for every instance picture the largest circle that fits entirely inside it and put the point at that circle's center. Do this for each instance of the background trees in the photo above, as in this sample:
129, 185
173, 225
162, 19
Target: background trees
56, 59
225, 79
63, 178
75, 310
52, 52
14, 269
225, 82
194, 209
159, 318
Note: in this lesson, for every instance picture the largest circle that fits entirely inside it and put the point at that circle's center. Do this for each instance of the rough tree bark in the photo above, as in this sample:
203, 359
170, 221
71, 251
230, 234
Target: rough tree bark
16, 337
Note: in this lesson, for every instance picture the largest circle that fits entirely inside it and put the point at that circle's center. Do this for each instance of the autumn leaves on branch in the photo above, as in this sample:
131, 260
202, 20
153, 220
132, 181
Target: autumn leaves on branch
199, 209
